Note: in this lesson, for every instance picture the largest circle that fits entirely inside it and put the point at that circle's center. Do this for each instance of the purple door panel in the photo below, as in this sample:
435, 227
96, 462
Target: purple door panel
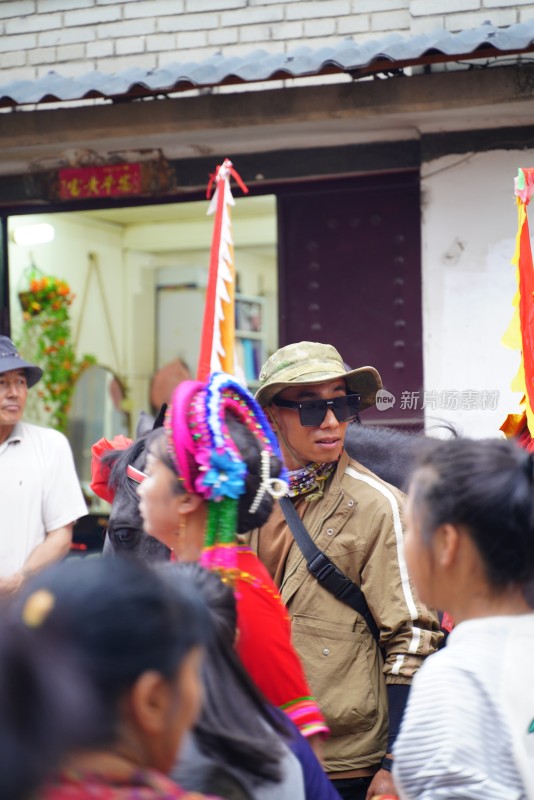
350, 275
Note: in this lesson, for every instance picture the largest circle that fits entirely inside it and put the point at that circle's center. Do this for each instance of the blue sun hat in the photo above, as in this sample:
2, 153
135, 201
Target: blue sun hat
10, 360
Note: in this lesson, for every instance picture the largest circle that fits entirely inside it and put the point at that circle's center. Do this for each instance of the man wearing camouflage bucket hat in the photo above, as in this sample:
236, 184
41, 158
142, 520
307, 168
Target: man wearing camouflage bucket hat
356, 519
40, 495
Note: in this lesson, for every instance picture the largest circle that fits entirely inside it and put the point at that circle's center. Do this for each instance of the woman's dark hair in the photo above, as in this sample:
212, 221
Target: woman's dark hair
46, 703
122, 620
156, 445
487, 486
235, 728
250, 450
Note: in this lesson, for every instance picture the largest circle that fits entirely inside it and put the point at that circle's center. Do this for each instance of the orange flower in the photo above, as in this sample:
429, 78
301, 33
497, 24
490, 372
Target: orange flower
34, 285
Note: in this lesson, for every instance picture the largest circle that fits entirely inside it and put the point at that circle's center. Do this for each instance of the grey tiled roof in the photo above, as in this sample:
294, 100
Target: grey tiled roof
347, 56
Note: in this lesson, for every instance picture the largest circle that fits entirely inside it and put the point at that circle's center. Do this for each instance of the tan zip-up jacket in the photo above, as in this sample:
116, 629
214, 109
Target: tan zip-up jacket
358, 524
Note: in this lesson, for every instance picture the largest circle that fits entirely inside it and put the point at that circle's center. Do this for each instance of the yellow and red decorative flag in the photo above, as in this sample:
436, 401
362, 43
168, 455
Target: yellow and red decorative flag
217, 347
520, 332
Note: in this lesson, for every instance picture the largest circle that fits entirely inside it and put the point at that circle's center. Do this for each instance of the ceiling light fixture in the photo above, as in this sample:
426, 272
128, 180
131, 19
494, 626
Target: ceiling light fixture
33, 234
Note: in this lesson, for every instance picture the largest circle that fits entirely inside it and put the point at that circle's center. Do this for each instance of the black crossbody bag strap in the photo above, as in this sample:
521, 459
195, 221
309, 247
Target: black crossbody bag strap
325, 571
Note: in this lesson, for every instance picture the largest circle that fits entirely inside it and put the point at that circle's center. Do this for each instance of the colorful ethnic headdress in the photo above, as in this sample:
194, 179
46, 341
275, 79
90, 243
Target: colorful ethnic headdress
209, 461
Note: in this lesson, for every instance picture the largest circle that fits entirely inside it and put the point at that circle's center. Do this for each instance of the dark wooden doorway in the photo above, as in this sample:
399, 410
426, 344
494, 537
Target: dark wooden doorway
350, 275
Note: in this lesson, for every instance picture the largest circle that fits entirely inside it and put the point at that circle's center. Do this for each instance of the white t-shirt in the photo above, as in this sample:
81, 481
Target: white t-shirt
39, 491
468, 728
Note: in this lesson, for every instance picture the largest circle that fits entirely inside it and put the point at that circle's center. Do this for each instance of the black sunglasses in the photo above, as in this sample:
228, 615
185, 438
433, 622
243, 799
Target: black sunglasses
313, 412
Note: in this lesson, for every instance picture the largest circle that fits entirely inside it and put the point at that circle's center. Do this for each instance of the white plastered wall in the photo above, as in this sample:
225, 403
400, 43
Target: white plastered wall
68, 257
77, 244
469, 222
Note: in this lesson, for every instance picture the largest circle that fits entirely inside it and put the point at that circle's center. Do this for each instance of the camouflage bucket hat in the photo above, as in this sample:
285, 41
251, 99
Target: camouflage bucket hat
313, 362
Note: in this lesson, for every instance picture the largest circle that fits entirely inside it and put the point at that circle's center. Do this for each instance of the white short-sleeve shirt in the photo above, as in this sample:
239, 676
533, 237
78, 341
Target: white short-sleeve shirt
39, 491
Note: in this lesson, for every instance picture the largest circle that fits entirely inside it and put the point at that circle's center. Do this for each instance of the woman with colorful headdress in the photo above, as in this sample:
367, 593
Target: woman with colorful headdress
213, 472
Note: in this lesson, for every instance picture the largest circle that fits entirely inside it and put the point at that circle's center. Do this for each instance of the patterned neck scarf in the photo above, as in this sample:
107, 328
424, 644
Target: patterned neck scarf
310, 480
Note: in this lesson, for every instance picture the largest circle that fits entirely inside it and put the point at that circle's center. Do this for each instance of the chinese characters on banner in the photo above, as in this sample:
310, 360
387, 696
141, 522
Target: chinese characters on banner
115, 180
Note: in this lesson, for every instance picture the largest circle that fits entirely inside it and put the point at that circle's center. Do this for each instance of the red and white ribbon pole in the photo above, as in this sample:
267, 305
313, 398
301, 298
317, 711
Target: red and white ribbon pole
217, 347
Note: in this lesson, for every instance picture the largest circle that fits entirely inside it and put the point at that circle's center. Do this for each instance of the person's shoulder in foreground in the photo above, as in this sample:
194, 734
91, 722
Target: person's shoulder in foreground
143, 785
469, 724
469, 728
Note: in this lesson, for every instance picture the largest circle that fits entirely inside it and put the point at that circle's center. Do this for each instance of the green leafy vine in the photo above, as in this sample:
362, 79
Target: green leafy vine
47, 341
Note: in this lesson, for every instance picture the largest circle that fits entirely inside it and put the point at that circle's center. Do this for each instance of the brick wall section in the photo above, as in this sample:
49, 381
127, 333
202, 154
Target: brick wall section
76, 36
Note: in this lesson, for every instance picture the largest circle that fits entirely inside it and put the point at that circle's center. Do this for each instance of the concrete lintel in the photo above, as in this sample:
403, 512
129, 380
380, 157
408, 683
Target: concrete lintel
359, 101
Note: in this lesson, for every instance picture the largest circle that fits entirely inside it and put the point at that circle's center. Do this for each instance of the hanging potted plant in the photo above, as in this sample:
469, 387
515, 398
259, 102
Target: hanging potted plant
47, 341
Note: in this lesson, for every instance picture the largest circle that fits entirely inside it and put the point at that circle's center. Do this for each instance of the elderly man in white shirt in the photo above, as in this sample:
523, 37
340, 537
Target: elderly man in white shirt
40, 495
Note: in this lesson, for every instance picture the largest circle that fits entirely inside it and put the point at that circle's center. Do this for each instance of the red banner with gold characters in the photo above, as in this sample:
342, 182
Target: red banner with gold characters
113, 180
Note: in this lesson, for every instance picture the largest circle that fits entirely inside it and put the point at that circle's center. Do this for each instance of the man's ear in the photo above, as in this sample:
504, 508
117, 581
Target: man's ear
269, 413
149, 702
446, 544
